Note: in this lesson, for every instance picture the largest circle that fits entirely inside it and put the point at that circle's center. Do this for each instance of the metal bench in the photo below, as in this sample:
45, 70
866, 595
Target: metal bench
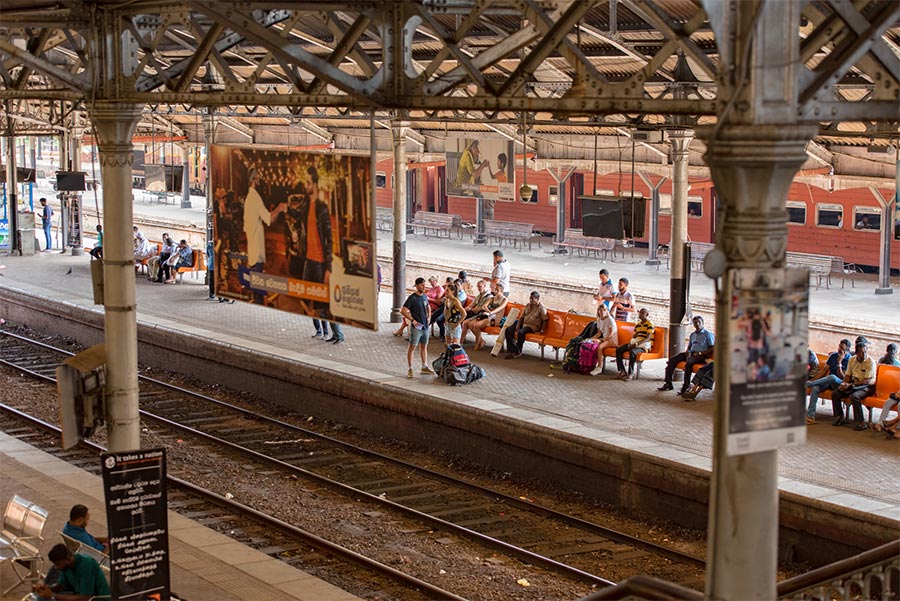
575, 239
436, 223
819, 265
384, 219
509, 231
845, 270
21, 537
76, 546
699, 251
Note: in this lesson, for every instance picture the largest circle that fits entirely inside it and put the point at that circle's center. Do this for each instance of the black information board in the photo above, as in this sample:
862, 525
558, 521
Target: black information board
136, 511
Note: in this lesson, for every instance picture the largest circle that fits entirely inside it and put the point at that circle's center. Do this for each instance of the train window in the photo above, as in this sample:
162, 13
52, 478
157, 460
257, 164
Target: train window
534, 195
695, 206
553, 195
867, 218
796, 212
828, 215
897, 228
380, 180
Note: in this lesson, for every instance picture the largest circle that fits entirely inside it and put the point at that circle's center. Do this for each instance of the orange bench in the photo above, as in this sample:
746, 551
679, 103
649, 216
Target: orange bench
625, 331
198, 264
887, 380
142, 264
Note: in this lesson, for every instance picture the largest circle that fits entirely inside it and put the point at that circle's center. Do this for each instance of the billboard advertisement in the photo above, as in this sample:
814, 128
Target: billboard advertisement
481, 168
296, 231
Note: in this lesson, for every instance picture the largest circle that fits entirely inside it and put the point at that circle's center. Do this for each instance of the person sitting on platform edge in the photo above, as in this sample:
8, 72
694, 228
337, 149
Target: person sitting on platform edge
700, 347
76, 528
97, 251
79, 574
607, 336
640, 342
859, 382
533, 320
829, 377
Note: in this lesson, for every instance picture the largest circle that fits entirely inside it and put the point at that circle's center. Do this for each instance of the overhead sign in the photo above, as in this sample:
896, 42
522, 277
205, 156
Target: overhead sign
136, 513
296, 231
769, 339
481, 168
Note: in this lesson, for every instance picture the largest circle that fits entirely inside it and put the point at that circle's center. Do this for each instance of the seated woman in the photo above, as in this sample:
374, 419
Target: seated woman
478, 305
607, 335
489, 316
704, 378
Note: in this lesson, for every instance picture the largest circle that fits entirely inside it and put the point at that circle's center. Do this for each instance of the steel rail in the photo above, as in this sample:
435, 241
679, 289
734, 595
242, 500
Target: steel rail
513, 501
312, 539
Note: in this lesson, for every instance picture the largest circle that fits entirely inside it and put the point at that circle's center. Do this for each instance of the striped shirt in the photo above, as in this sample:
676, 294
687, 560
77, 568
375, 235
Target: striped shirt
643, 335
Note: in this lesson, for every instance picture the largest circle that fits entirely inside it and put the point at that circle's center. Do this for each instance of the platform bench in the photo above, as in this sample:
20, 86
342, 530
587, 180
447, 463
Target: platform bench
819, 265
586, 245
699, 251
436, 223
625, 331
887, 380
21, 539
384, 219
509, 231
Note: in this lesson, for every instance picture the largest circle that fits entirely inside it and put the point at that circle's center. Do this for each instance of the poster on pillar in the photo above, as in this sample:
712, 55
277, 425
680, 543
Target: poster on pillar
481, 168
769, 342
295, 231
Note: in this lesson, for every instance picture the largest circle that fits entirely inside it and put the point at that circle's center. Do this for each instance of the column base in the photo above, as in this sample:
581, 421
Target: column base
396, 316
884, 291
186, 204
77, 251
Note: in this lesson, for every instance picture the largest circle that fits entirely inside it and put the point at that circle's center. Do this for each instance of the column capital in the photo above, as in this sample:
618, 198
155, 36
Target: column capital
114, 122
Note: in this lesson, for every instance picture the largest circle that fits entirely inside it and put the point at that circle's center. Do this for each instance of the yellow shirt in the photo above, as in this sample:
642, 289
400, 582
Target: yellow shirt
860, 372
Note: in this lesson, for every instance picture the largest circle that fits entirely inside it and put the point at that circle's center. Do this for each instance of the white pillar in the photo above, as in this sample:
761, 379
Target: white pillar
398, 138
752, 167
115, 124
678, 283
185, 177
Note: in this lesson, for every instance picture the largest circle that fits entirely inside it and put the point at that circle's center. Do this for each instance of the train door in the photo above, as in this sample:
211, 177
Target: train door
438, 175
573, 197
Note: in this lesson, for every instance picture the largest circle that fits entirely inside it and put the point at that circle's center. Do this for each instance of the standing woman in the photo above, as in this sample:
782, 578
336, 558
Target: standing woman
607, 335
454, 314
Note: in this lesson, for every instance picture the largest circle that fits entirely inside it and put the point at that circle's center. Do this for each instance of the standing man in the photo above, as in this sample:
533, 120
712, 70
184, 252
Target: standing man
47, 222
534, 318
859, 382
623, 301
501, 272
700, 348
417, 310
314, 246
605, 292
256, 215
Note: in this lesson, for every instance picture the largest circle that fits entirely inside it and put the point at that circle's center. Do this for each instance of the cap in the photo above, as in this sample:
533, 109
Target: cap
420, 281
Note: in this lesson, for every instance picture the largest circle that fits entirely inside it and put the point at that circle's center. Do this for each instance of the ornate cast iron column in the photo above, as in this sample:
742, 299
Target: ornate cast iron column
398, 137
681, 142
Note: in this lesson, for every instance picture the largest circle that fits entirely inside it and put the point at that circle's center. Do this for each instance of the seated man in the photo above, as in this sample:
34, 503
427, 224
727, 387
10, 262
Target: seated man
829, 377
76, 528
78, 573
640, 342
182, 257
533, 319
704, 378
154, 263
892, 402
699, 349
859, 382
142, 249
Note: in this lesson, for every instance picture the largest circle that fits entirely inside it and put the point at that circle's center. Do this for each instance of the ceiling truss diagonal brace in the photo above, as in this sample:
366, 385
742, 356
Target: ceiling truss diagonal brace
551, 40
452, 47
79, 83
347, 42
859, 24
847, 54
655, 17
246, 26
199, 57
462, 29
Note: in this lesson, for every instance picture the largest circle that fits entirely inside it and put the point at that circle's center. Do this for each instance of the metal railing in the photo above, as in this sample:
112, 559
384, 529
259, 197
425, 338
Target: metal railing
874, 574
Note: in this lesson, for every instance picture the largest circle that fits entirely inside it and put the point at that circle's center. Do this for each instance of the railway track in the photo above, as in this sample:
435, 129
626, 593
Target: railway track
538, 535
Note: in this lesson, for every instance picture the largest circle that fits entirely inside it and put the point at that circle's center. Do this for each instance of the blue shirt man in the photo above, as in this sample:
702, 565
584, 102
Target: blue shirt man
699, 349
76, 528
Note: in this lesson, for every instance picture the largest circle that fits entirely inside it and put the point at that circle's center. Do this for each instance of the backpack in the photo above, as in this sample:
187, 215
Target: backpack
570, 357
587, 356
456, 355
465, 374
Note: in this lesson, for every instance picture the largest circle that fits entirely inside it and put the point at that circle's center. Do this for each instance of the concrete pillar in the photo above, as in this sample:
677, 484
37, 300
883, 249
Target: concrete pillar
398, 138
185, 177
12, 196
115, 124
678, 301
752, 167
887, 235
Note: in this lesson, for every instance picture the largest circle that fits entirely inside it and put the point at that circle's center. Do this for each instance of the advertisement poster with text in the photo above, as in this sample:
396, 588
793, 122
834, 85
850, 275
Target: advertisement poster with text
769, 324
296, 231
481, 168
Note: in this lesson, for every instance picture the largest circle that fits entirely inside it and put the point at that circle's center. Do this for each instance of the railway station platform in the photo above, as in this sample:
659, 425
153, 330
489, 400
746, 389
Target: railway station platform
204, 564
839, 481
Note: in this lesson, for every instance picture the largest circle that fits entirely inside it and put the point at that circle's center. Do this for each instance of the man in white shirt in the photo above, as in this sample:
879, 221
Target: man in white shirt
501, 272
142, 249
256, 216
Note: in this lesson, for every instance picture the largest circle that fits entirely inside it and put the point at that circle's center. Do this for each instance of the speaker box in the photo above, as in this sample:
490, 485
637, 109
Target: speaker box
617, 218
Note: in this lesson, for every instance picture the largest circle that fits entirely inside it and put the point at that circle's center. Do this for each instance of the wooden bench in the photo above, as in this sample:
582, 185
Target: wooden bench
586, 245
819, 265
21, 538
510, 231
625, 332
384, 219
436, 223
887, 380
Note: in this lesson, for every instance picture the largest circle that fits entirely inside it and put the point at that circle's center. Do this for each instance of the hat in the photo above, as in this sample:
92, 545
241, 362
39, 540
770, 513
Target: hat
420, 281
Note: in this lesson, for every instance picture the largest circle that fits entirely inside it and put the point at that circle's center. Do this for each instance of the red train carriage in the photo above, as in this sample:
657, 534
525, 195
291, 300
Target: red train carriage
842, 223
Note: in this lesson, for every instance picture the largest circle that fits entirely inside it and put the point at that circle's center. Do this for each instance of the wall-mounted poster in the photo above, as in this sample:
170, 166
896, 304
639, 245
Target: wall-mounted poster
769, 338
296, 231
481, 168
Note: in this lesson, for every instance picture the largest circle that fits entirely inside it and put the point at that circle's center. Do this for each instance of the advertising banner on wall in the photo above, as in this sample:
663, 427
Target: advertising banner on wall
769, 333
296, 231
481, 168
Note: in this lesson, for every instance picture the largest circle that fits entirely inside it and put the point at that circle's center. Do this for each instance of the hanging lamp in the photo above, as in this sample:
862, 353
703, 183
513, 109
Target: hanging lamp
525, 190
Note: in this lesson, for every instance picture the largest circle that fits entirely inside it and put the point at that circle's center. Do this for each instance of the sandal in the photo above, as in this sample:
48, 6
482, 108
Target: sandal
878, 427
